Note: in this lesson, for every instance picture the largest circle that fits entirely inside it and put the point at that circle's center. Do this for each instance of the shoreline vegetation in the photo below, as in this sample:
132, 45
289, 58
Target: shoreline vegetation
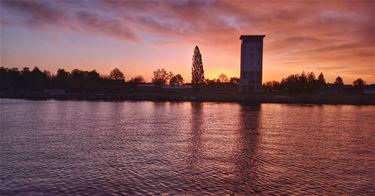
304, 88
254, 98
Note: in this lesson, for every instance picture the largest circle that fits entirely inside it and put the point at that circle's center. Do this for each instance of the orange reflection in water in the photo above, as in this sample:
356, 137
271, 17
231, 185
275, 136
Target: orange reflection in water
78, 147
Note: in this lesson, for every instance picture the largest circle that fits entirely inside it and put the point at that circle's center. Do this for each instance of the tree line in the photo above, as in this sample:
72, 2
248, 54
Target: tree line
74, 81
87, 81
81, 80
308, 83
91, 81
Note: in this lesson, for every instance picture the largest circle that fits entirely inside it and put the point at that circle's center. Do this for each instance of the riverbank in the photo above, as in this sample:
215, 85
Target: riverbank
201, 97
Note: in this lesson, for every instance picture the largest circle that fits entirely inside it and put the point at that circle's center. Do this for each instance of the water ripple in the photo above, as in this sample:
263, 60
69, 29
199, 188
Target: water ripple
146, 148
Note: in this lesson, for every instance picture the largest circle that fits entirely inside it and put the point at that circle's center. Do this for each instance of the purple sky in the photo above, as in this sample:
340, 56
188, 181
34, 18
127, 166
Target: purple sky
333, 37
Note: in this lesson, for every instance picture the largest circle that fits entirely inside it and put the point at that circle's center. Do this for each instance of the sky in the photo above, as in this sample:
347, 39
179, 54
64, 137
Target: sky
138, 37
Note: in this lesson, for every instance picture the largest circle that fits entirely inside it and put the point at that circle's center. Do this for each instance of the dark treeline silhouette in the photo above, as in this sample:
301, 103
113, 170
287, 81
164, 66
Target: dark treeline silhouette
75, 81
162, 77
308, 83
222, 79
78, 81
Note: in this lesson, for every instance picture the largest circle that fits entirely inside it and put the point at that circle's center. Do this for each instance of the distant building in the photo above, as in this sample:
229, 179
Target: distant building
251, 62
369, 89
185, 86
150, 87
54, 91
338, 89
147, 87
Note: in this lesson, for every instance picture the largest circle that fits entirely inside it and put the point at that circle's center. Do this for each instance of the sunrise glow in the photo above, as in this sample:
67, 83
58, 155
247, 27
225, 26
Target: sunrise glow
333, 37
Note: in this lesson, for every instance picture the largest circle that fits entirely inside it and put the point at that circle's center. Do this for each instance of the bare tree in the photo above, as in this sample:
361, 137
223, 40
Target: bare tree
223, 78
116, 74
161, 76
176, 80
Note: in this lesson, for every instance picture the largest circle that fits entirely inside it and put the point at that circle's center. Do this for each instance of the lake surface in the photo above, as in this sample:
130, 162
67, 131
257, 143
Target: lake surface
98, 148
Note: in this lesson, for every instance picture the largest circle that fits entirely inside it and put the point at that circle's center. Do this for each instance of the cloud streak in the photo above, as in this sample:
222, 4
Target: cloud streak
333, 31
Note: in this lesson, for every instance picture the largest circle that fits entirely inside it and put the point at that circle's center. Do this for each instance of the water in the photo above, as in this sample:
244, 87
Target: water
97, 148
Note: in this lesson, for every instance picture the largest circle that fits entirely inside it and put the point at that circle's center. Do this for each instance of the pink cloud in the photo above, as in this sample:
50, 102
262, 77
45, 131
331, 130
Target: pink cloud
299, 32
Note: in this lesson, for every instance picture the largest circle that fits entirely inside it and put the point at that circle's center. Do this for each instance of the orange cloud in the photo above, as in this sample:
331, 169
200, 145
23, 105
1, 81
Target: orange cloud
336, 37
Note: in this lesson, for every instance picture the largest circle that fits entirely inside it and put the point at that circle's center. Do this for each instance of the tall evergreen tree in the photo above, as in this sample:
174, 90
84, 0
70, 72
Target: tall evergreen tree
339, 81
321, 79
321, 82
197, 73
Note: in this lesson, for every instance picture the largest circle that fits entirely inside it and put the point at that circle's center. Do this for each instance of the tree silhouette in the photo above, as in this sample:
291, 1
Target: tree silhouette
26, 80
60, 78
176, 80
209, 81
234, 80
161, 76
297, 83
291, 83
311, 77
339, 81
61, 74
339, 84
271, 86
116, 74
321, 80
197, 73
25, 70
312, 83
303, 82
84, 81
5, 80
137, 80
134, 82
38, 79
223, 78
359, 84
92, 75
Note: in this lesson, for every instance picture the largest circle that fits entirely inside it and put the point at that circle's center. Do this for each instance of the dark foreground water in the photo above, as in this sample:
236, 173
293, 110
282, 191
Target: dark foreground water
99, 148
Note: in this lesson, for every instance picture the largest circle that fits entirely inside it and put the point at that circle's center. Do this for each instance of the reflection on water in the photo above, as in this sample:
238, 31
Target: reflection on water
195, 143
78, 147
247, 162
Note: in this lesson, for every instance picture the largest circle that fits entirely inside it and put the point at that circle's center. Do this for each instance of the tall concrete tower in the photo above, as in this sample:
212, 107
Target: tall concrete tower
251, 62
